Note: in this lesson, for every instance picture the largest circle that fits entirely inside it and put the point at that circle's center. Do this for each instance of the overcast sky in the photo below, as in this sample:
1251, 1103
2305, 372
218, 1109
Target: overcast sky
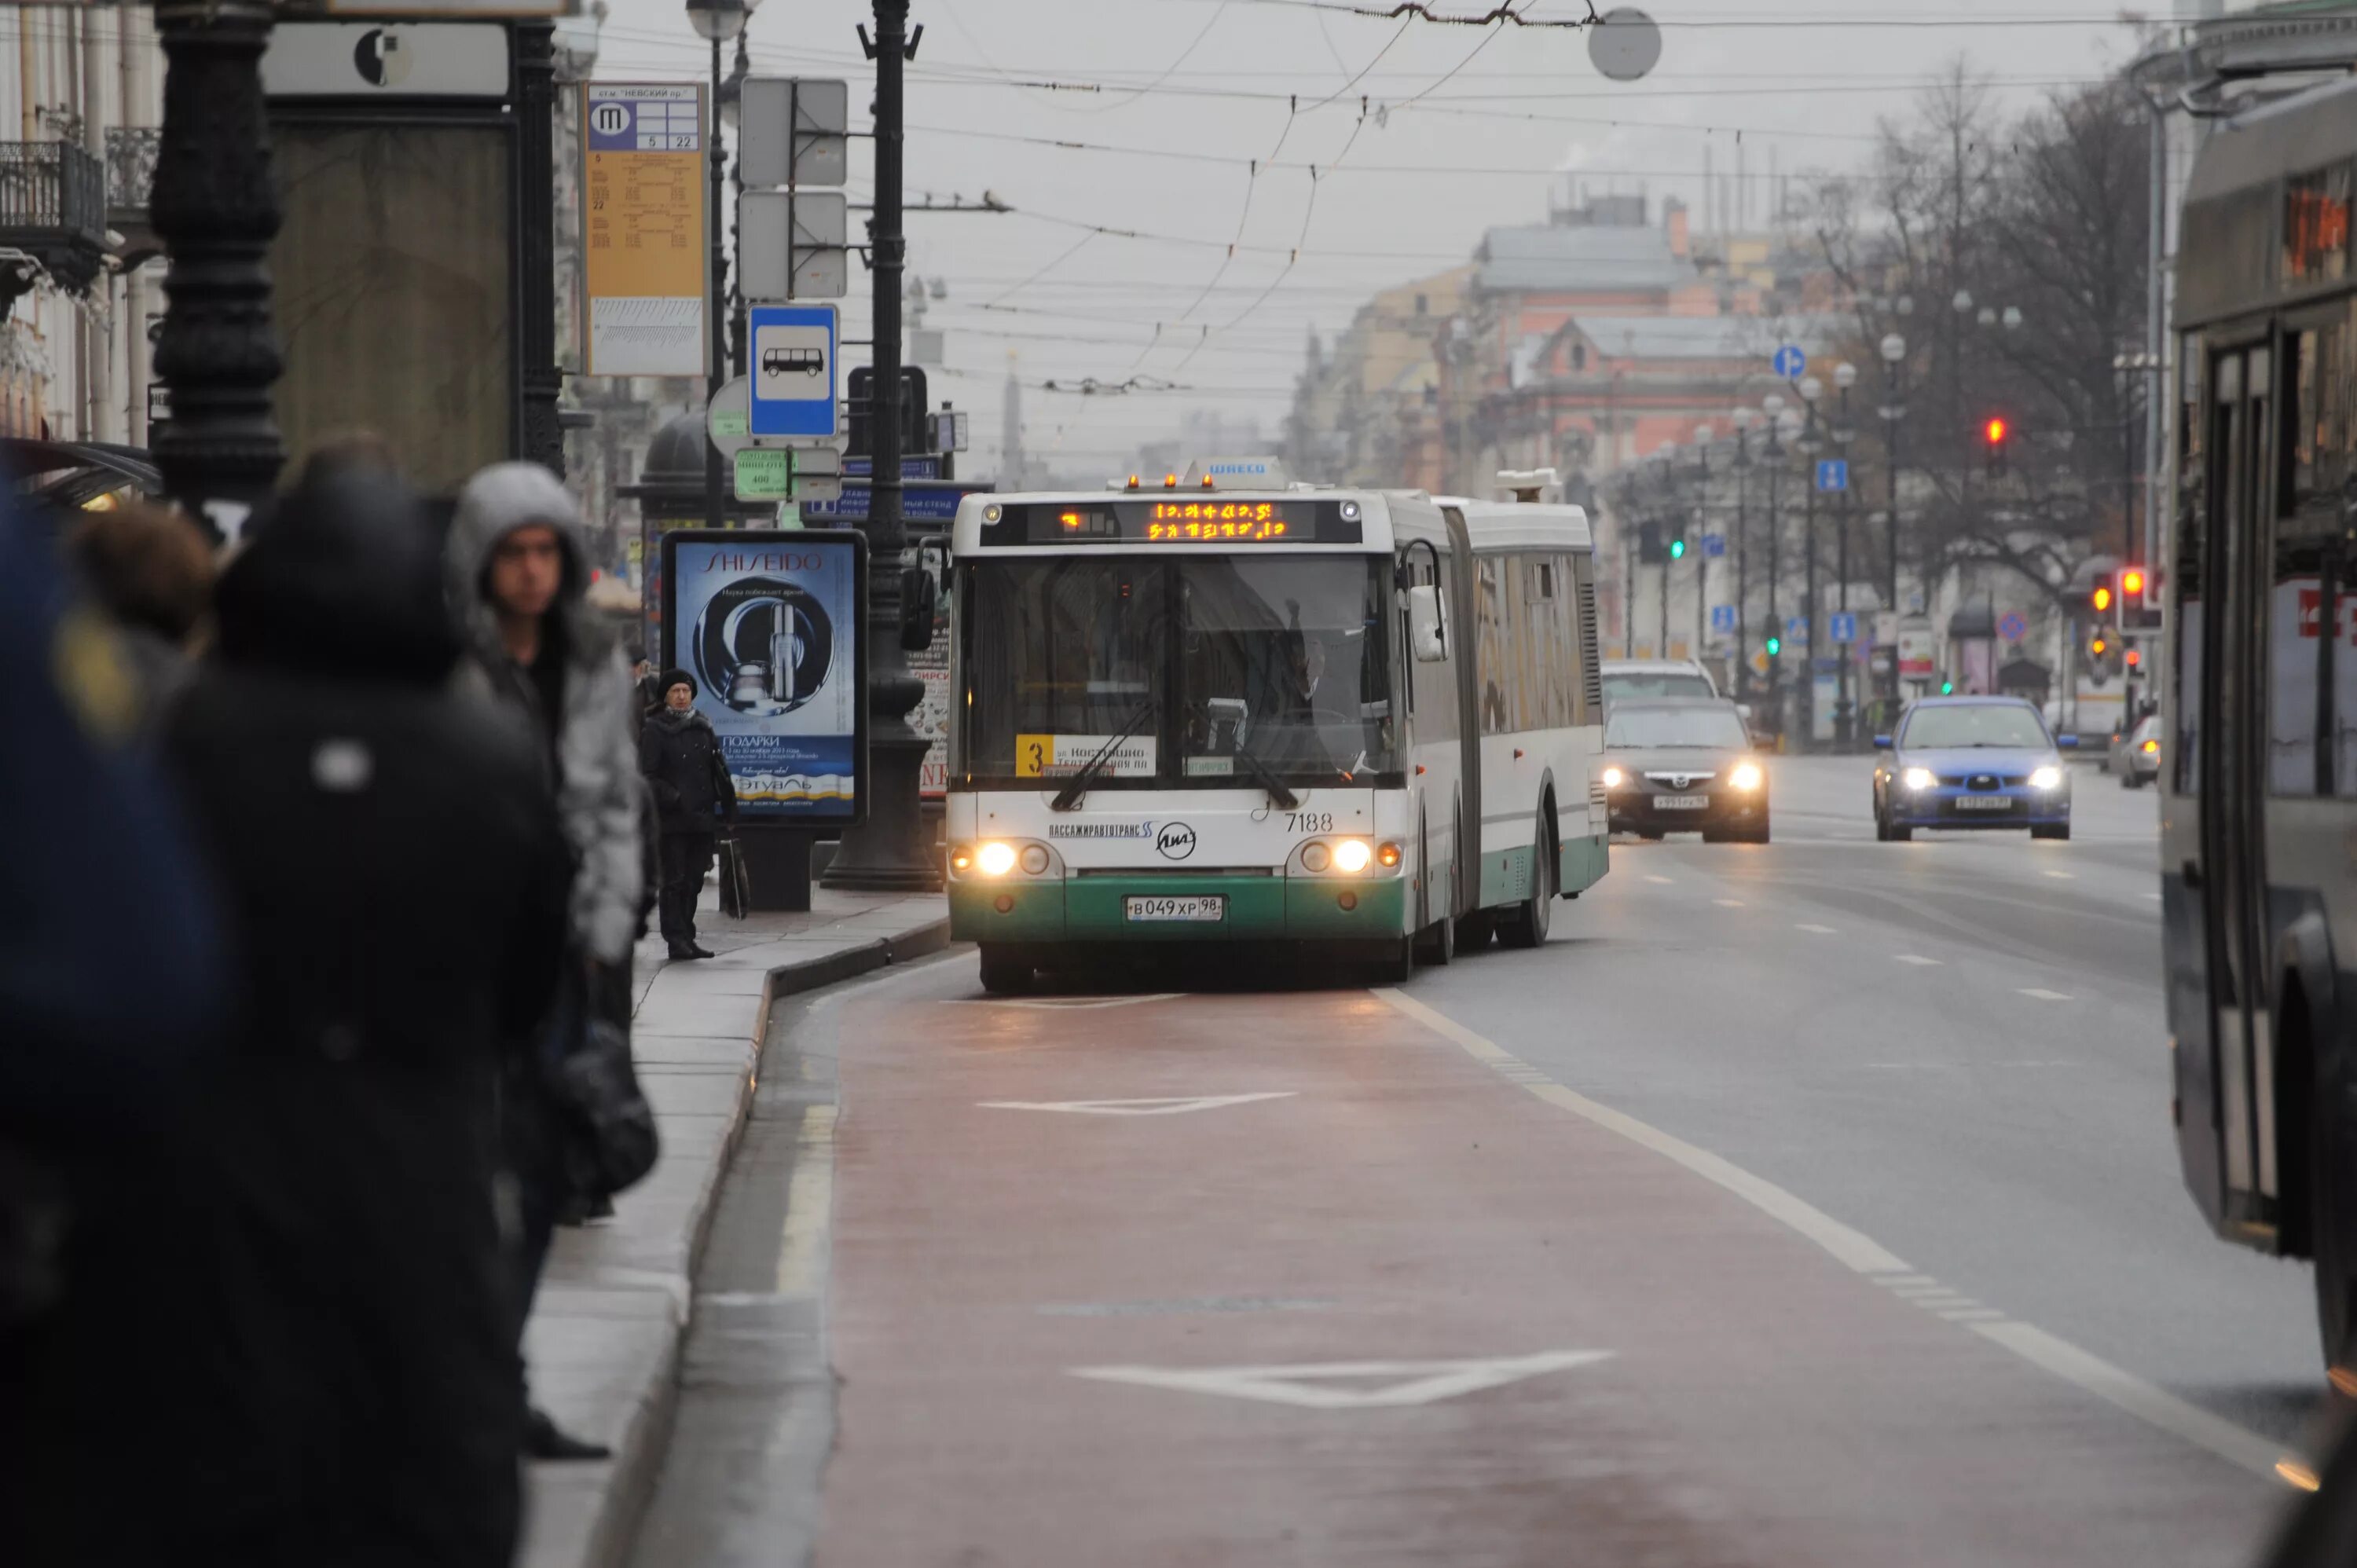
1465, 128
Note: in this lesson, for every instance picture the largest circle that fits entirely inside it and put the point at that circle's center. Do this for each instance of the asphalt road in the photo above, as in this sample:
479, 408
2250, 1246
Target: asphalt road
1811, 1203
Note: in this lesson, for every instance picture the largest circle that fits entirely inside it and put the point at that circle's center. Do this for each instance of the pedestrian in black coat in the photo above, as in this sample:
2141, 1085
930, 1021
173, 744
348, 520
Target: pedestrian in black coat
391, 852
680, 755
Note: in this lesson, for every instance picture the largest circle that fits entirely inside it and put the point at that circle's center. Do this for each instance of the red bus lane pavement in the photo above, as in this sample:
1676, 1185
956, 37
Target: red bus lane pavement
1295, 1278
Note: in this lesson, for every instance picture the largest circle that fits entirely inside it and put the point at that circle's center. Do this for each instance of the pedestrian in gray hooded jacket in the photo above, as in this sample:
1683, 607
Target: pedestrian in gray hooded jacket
518, 575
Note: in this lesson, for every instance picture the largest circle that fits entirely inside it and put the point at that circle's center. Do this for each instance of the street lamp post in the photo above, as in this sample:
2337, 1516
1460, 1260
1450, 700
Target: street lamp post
1741, 420
1701, 538
1845, 378
1893, 410
1782, 422
887, 851
1667, 457
718, 22
1808, 447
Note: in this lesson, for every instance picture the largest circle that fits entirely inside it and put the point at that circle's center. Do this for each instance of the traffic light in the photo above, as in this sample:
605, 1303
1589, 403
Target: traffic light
1947, 688
1775, 645
1678, 549
2099, 601
1649, 544
1995, 435
2131, 601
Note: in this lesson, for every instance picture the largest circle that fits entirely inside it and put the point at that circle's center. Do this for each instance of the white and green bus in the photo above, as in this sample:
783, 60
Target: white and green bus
1236, 714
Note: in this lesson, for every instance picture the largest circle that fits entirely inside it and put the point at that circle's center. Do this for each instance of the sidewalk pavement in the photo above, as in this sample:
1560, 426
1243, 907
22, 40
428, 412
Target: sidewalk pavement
604, 1340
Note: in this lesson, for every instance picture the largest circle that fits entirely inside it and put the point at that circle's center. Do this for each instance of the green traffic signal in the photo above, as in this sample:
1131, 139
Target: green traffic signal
1947, 688
1677, 549
1775, 645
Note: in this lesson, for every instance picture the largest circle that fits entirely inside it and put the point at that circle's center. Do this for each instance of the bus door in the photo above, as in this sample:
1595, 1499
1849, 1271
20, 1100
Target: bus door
2238, 569
1465, 657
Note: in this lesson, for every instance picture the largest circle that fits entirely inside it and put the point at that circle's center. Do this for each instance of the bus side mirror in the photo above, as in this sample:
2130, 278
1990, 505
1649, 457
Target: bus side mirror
1426, 640
916, 610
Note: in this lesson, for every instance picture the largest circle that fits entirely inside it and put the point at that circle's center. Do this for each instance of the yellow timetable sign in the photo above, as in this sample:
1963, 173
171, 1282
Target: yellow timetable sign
647, 256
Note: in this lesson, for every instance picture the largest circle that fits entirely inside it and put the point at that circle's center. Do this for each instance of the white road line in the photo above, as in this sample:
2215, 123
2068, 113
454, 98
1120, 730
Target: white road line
809, 1204
2138, 1398
1728, 903
1820, 930
2043, 995
1914, 958
2154, 897
2063, 876
1861, 1252
1662, 880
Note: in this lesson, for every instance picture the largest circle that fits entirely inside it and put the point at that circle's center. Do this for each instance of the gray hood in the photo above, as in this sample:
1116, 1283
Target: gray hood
495, 503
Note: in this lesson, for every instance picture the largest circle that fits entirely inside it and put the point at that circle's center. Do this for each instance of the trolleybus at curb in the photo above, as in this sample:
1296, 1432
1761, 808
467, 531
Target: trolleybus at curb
1248, 716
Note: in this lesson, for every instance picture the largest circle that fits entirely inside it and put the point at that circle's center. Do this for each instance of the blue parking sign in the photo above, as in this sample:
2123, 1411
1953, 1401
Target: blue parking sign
1722, 618
1841, 625
1833, 473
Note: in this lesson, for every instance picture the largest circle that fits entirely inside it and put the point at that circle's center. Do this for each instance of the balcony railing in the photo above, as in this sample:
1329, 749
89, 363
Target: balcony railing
130, 166
50, 190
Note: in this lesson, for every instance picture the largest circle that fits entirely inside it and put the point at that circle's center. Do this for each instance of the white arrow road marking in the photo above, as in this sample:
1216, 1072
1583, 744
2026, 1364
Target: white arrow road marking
1309, 1385
1168, 1106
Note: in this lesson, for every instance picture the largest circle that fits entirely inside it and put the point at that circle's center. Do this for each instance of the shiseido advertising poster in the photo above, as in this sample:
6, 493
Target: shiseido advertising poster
768, 624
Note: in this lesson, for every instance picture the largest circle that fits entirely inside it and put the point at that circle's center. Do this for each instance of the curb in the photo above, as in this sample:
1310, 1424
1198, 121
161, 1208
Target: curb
641, 1449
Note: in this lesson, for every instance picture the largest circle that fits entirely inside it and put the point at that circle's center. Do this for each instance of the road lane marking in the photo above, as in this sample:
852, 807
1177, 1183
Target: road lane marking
1165, 1105
1664, 881
1853, 1248
1311, 1384
2121, 1389
810, 1204
2043, 995
1820, 930
1062, 1003
2065, 876
2154, 897
2134, 1395
1915, 958
1728, 903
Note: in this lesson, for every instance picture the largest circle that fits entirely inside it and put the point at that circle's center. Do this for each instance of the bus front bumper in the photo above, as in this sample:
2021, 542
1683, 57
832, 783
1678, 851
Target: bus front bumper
1252, 908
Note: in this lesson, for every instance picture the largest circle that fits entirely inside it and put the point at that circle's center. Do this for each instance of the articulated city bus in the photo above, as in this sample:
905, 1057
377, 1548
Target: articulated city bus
2259, 820
1232, 711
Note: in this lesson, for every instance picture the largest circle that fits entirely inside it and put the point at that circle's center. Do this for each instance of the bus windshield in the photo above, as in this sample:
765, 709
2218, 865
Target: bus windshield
1274, 666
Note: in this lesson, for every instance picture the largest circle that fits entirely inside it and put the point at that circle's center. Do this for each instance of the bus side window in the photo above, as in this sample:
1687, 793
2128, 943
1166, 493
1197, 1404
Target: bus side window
1493, 642
2301, 589
2186, 578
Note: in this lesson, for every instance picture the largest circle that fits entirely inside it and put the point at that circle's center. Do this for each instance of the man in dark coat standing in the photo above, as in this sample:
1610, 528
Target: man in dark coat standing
680, 755
396, 878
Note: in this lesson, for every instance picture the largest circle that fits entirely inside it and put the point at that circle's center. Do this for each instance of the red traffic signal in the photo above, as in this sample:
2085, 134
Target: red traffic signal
2132, 583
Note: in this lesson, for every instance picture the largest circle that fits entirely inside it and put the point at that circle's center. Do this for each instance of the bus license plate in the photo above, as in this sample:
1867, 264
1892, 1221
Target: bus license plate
1681, 802
1984, 802
1205, 906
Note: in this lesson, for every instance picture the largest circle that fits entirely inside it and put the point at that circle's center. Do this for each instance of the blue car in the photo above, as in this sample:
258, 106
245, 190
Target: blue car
1971, 762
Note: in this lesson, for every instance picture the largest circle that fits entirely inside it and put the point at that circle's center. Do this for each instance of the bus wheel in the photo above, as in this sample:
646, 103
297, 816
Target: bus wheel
1437, 948
1526, 925
1004, 974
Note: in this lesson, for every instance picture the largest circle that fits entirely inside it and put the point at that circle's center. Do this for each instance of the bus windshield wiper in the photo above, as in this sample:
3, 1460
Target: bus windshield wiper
1265, 776
1070, 795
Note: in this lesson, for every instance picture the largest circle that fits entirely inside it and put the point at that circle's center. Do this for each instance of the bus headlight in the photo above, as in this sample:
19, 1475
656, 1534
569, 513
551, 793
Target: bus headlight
2045, 778
1316, 858
1613, 778
1387, 854
995, 859
1034, 860
1920, 779
1353, 856
961, 859
1746, 777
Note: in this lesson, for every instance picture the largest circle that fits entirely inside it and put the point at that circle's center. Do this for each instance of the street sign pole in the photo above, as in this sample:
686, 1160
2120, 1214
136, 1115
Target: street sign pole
886, 853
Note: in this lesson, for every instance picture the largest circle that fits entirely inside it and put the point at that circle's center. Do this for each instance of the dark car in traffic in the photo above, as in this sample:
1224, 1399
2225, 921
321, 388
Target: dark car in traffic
1971, 762
1684, 765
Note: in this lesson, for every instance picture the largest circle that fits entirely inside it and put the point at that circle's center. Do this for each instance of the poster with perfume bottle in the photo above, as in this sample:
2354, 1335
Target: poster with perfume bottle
767, 621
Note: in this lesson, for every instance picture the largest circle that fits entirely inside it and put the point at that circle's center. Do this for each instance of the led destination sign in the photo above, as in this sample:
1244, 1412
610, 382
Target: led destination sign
1206, 521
